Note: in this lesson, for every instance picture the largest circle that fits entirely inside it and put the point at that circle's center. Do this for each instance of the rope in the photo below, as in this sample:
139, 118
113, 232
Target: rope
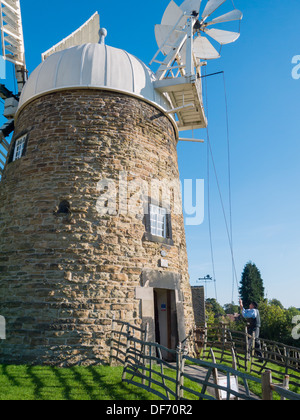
208, 203
233, 4
211, 155
209, 224
229, 179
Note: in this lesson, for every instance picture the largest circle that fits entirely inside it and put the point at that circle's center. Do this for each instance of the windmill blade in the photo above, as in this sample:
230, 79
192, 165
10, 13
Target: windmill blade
229, 17
204, 50
190, 6
166, 37
222, 37
174, 15
211, 7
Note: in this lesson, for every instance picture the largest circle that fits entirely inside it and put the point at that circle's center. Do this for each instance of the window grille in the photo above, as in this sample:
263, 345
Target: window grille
19, 148
158, 221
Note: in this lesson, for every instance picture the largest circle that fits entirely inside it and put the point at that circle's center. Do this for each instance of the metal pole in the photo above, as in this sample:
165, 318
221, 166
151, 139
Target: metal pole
189, 48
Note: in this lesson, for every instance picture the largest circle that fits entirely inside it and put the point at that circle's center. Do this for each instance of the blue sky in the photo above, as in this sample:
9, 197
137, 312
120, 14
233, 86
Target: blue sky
263, 103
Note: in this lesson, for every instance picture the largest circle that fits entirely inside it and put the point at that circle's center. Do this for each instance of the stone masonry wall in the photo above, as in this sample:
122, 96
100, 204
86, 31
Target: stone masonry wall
66, 271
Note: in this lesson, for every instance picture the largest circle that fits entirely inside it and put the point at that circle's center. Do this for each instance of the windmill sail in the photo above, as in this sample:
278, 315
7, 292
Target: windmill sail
190, 6
204, 50
222, 37
87, 33
211, 7
228, 17
182, 39
12, 32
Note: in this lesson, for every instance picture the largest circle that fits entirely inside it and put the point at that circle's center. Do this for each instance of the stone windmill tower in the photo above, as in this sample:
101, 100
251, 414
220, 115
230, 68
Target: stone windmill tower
87, 232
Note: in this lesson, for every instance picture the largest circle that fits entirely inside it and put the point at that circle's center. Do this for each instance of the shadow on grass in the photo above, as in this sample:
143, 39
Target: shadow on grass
74, 383
116, 390
5, 372
36, 381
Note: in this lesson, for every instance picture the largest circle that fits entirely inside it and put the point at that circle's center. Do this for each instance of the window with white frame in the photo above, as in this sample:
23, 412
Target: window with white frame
158, 221
19, 148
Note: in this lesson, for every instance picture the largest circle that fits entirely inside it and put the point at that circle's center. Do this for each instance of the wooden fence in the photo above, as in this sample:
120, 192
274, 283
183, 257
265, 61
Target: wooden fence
120, 333
282, 390
224, 342
186, 378
285, 360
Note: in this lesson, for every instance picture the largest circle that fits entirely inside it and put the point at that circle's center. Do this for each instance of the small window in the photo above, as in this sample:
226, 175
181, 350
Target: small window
158, 224
19, 148
158, 221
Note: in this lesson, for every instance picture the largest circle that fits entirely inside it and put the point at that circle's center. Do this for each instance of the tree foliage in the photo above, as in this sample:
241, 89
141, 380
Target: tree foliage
252, 287
214, 311
231, 309
277, 322
215, 307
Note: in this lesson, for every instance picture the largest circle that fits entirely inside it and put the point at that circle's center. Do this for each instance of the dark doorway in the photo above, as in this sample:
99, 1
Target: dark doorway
166, 327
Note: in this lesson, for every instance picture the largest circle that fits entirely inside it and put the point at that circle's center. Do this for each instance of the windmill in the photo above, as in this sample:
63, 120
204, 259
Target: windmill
183, 38
13, 51
88, 112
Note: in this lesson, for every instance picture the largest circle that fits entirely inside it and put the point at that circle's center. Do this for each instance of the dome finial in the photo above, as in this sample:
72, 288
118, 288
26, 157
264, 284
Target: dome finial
103, 35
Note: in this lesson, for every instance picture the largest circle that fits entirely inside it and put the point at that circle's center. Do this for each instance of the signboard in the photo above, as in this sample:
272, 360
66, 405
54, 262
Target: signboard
2, 328
233, 386
164, 263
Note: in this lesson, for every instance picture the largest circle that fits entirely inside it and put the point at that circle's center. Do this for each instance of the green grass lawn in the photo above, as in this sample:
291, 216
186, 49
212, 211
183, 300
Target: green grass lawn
76, 383
81, 383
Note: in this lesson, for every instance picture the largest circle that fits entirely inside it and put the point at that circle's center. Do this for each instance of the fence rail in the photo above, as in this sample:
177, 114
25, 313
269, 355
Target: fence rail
150, 367
212, 387
285, 359
120, 332
188, 377
223, 341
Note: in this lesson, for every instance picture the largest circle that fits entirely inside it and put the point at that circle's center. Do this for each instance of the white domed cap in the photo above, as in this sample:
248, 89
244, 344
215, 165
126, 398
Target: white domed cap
93, 66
